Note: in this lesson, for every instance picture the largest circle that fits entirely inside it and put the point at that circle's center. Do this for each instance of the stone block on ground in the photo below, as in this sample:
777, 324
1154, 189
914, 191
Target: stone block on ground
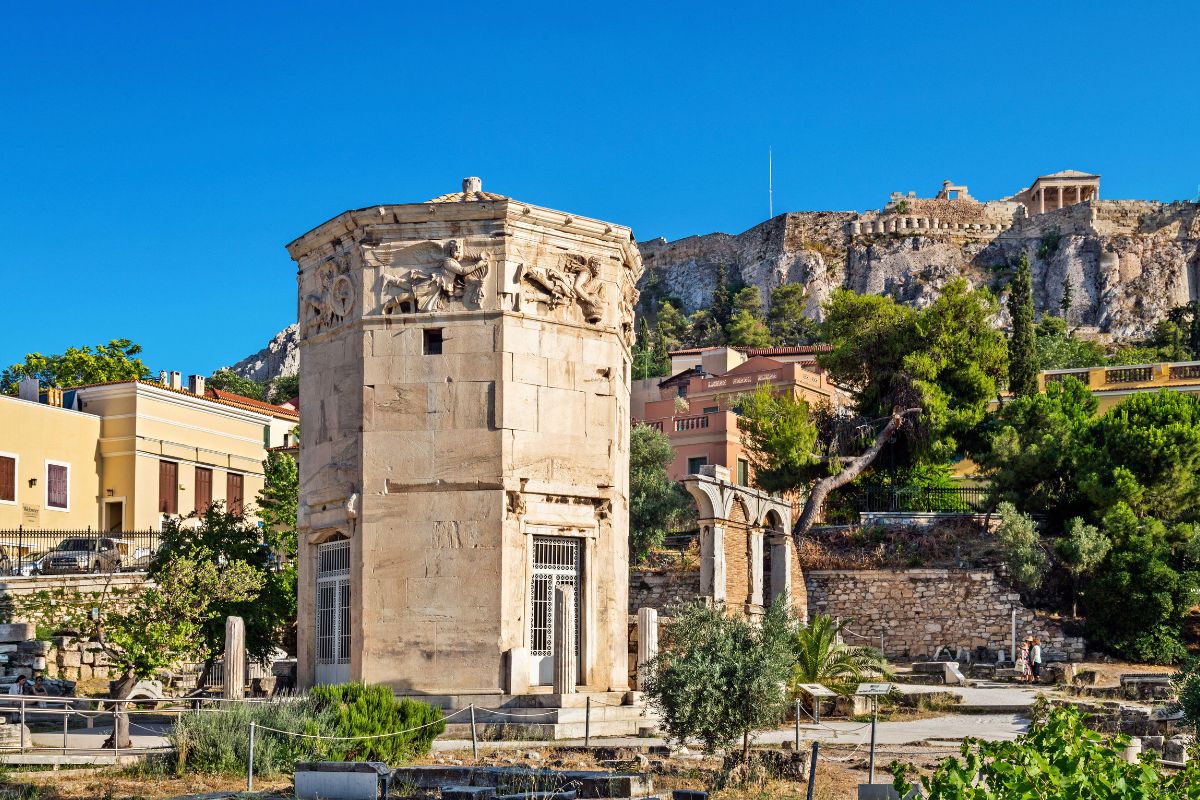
931, 667
36, 647
17, 632
337, 780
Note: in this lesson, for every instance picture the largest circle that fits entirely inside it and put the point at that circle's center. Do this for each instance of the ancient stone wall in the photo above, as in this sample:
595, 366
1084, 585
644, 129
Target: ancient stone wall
917, 611
663, 590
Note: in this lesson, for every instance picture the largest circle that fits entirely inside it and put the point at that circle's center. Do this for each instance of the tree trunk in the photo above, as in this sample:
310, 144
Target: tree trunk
119, 690
853, 468
745, 747
203, 682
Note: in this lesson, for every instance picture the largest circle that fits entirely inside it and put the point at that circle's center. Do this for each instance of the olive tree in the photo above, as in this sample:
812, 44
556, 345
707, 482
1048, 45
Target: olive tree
720, 676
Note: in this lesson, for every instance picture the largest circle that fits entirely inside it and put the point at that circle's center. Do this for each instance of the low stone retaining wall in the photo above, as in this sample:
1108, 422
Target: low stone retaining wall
31, 602
919, 610
119, 583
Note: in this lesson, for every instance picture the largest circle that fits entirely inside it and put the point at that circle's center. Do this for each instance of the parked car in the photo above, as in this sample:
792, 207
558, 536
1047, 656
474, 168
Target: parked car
83, 555
19, 558
30, 564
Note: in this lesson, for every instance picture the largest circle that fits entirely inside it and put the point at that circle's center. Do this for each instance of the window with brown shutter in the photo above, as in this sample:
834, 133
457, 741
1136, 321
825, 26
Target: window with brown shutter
8, 479
203, 489
56, 486
233, 493
168, 487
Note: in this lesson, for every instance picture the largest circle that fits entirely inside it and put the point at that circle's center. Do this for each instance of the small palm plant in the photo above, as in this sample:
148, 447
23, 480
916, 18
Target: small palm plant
822, 657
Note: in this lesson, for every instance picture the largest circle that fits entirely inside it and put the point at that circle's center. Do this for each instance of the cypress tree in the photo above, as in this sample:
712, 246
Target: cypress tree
1194, 331
722, 303
1022, 346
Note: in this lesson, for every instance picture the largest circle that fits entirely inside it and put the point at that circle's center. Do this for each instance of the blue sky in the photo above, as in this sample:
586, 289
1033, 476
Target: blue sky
157, 156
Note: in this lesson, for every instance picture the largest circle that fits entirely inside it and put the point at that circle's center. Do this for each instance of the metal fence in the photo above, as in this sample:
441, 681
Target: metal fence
27, 552
919, 500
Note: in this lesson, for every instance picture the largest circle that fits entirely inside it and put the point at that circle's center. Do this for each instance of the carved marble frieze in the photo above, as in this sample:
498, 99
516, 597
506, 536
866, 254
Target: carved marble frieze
629, 298
574, 282
331, 298
428, 276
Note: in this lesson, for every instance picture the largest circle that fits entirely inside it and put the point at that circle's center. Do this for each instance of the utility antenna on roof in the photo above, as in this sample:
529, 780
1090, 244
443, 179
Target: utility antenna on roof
770, 185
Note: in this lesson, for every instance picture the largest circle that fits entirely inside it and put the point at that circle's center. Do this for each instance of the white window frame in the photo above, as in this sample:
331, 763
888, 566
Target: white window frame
46, 477
16, 479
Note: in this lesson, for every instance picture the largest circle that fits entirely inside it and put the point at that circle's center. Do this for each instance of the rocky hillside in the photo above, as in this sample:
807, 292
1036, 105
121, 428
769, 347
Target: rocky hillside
1128, 262
281, 356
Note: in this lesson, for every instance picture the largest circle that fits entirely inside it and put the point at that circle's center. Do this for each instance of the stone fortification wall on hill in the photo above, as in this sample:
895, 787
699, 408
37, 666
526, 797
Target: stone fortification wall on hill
1128, 262
919, 610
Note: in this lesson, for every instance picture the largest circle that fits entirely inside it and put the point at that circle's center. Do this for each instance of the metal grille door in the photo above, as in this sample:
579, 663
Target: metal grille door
333, 612
556, 562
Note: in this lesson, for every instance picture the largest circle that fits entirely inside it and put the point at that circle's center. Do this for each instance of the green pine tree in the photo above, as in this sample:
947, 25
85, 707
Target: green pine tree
1022, 345
1194, 330
722, 302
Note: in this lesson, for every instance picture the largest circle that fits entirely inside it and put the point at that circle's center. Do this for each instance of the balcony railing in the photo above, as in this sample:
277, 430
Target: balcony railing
1185, 372
1128, 375
1082, 376
691, 423
955, 500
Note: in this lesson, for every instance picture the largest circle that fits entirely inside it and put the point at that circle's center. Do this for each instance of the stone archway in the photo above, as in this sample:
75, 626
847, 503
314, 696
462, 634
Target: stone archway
737, 524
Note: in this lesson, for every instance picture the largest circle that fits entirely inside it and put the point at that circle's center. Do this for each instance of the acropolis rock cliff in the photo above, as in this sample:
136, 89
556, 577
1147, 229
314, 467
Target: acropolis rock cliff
1128, 261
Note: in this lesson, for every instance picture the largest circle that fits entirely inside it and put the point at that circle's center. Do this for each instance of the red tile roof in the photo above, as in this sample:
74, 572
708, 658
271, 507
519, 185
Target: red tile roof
794, 350
790, 350
256, 405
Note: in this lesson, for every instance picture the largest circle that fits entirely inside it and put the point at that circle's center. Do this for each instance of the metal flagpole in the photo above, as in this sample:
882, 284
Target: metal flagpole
770, 184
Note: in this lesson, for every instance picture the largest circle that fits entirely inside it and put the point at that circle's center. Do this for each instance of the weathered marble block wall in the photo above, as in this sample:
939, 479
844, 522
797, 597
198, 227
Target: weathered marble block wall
919, 610
663, 590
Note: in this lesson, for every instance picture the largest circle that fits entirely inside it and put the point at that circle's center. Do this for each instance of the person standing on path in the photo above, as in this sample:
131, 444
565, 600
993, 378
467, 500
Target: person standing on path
1022, 664
1035, 660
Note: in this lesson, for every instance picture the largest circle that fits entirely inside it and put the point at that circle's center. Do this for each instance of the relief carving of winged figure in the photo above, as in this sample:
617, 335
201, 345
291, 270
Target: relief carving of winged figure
577, 280
429, 277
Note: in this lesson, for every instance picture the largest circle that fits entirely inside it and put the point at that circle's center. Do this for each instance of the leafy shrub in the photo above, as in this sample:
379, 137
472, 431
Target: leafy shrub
1048, 245
720, 677
218, 741
362, 710
1059, 760
1187, 689
1022, 547
1138, 600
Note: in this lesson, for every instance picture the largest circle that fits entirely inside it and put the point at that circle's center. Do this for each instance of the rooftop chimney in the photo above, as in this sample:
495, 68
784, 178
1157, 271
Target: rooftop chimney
196, 384
29, 389
472, 185
176, 380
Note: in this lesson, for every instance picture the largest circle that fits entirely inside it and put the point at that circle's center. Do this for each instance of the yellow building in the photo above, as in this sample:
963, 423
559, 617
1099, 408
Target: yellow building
129, 453
1111, 385
49, 466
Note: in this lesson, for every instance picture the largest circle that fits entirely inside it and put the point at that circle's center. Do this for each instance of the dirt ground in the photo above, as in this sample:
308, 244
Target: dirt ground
839, 771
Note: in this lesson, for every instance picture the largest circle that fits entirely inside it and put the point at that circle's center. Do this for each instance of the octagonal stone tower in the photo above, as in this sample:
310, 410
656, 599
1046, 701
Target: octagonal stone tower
464, 444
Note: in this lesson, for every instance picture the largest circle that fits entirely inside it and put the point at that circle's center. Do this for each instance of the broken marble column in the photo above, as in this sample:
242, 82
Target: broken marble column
647, 622
235, 659
564, 640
